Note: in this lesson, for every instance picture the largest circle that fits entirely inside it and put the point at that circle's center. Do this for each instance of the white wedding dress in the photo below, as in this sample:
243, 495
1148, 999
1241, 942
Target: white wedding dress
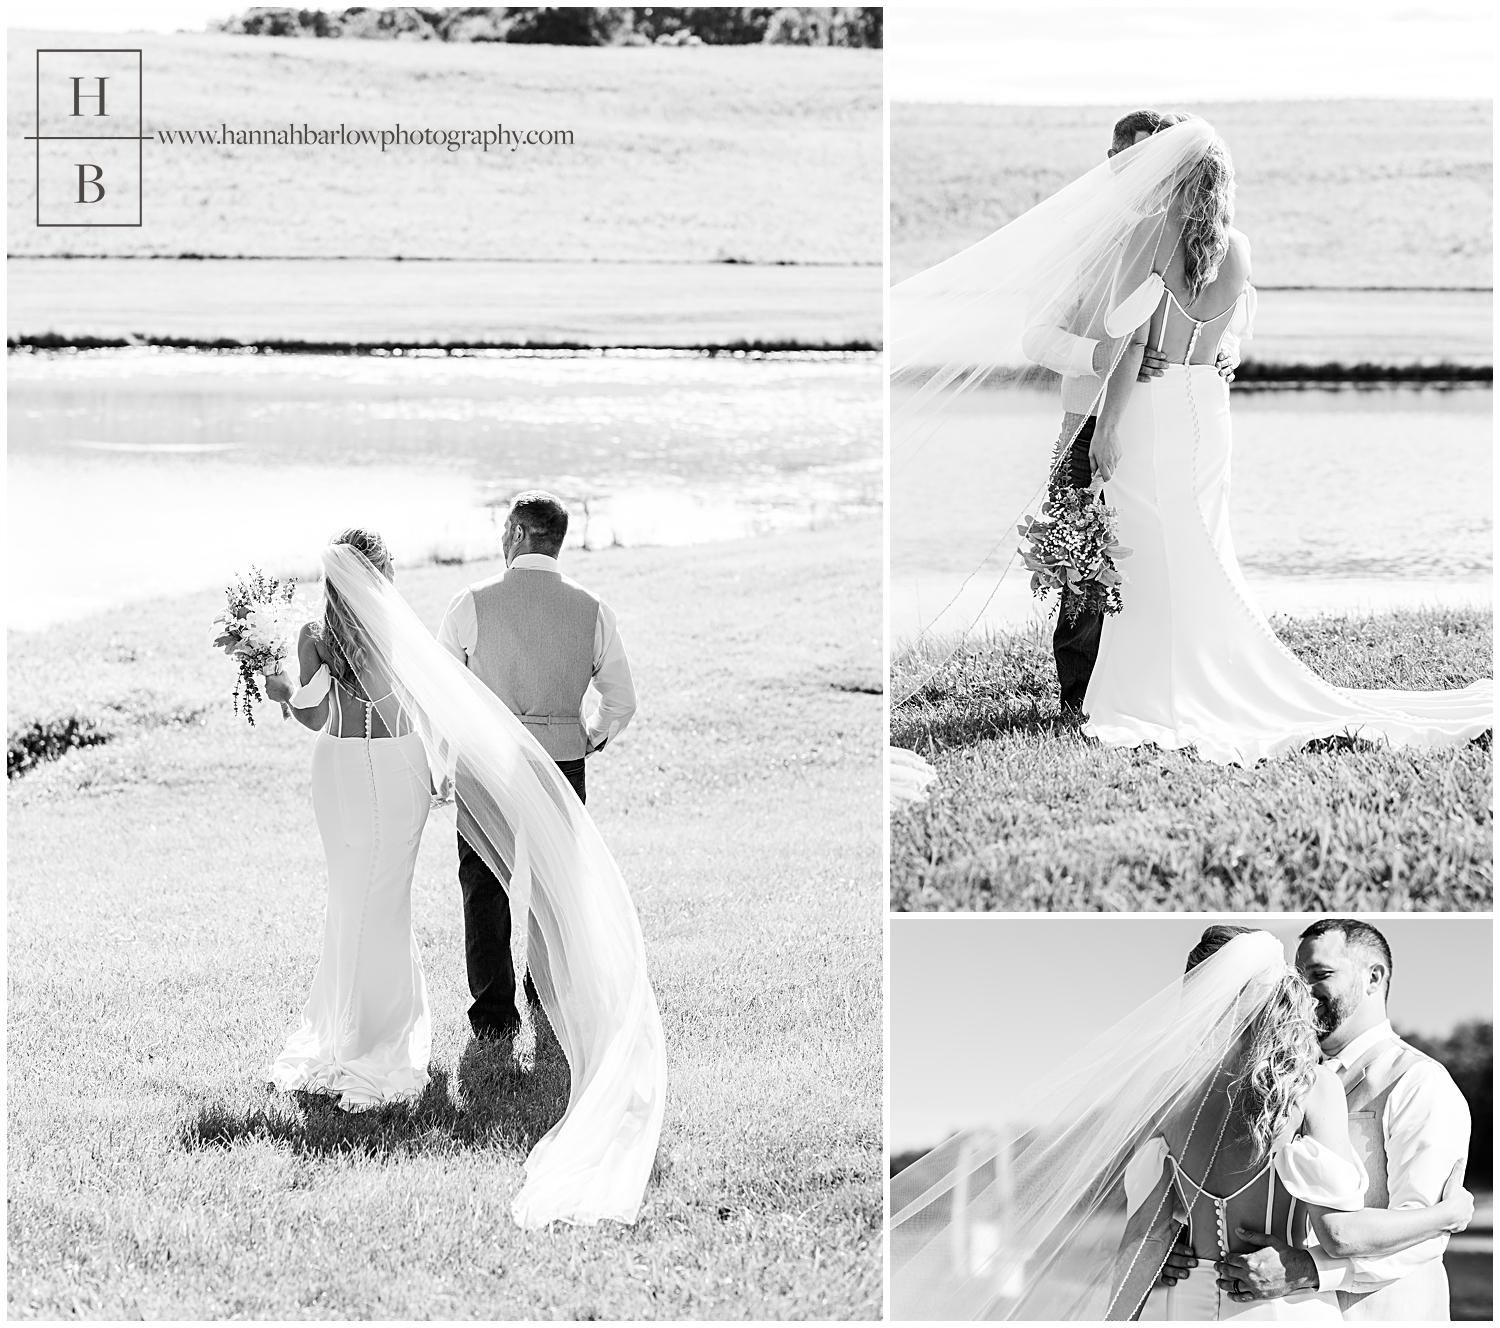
1191, 661
910, 776
366, 1030
1299, 1171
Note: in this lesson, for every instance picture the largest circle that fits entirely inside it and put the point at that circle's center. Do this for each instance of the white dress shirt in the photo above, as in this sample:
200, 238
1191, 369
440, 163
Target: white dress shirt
1426, 1127
610, 700
1055, 346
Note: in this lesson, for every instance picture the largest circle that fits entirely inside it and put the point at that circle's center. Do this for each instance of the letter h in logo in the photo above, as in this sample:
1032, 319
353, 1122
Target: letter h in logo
89, 138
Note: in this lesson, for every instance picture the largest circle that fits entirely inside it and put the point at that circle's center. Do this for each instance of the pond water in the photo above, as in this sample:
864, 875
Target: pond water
1344, 499
145, 472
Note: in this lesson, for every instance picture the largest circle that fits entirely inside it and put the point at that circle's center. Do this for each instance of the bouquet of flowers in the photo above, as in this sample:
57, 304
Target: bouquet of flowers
255, 630
1074, 547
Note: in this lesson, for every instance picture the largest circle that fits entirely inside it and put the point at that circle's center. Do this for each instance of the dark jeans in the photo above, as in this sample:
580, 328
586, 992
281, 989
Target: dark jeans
1075, 646
492, 975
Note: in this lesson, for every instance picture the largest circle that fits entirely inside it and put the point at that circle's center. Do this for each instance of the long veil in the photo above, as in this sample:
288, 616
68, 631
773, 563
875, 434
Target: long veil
1027, 1220
1002, 314
573, 922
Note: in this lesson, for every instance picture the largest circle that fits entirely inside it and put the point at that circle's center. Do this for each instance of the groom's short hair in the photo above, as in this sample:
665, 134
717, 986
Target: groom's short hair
1356, 934
1142, 122
542, 517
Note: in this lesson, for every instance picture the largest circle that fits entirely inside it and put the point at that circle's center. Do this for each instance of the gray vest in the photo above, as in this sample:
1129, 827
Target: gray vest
535, 651
1421, 1296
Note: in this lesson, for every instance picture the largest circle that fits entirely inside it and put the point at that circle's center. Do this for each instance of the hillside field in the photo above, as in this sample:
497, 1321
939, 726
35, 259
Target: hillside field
684, 154
1332, 194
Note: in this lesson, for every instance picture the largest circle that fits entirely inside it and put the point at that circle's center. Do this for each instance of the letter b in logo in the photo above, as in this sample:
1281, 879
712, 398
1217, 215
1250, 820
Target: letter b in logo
89, 188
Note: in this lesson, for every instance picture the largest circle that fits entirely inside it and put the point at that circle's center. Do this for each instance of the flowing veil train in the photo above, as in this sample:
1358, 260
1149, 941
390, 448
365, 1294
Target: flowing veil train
1190, 662
980, 320
573, 922
1027, 1221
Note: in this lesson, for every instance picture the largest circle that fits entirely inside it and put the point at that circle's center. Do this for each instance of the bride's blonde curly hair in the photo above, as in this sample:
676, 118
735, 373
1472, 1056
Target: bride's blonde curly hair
341, 633
1206, 198
1278, 1049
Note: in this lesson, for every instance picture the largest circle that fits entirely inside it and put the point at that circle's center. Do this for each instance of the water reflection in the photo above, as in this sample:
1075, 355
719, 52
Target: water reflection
1343, 498
259, 457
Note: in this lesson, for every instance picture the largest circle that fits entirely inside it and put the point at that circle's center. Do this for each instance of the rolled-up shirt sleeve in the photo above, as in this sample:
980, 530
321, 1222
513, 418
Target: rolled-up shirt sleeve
1057, 349
1427, 1126
610, 701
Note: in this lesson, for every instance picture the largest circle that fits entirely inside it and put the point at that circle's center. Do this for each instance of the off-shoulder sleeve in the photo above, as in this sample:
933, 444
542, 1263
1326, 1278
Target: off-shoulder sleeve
1130, 311
1143, 1171
313, 690
1242, 324
1316, 1174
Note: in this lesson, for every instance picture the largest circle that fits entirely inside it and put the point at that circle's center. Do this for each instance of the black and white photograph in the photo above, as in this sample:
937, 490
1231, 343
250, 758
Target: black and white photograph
1203, 1119
1190, 460
445, 664
785, 663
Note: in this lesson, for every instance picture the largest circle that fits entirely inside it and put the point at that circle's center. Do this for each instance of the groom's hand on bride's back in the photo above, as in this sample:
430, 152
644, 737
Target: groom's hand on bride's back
1179, 1263
1153, 365
1274, 1270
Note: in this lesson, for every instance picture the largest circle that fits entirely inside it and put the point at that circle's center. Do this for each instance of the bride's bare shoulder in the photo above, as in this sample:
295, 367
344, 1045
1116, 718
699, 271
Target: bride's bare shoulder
311, 648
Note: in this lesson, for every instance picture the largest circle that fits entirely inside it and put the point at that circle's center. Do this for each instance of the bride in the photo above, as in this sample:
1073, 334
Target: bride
1140, 251
397, 718
1203, 1112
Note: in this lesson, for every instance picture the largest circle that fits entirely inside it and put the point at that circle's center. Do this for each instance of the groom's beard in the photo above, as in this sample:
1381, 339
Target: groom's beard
1331, 1012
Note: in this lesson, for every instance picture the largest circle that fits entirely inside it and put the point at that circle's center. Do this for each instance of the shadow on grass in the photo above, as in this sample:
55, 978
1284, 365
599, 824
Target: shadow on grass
509, 1096
1002, 686
950, 727
1035, 721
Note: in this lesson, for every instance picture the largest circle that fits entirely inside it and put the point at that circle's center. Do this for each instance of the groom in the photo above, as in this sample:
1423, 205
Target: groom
1082, 355
1408, 1122
551, 651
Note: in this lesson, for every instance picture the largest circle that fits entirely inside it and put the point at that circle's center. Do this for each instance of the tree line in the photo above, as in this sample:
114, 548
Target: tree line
572, 26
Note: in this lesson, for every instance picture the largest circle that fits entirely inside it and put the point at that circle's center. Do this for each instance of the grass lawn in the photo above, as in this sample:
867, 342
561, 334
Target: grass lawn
165, 903
1372, 327
691, 154
364, 302
1337, 193
1029, 814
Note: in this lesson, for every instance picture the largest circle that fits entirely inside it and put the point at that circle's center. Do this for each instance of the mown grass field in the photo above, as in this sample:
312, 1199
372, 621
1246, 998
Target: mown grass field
1352, 193
692, 154
360, 303
165, 903
1030, 814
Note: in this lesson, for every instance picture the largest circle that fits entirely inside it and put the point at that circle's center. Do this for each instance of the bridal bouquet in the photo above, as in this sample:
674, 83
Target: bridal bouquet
256, 630
1074, 547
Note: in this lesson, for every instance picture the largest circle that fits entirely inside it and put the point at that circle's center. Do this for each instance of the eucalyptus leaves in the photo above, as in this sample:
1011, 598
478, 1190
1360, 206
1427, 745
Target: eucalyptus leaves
256, 629
1074, 547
